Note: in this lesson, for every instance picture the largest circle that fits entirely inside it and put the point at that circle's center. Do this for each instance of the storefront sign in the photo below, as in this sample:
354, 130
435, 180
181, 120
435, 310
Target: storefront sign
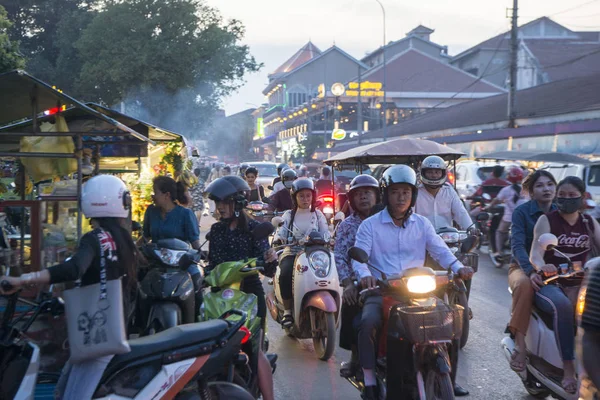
260, 129
321, 91
338, 134
367, 89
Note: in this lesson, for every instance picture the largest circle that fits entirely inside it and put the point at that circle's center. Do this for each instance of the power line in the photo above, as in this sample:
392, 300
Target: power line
574, 60
572, 8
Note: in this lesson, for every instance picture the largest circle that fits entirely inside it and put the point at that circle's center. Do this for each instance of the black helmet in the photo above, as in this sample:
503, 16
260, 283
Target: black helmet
363, 180
325, 171
304, 184
229, 187
280, 168
288, 175
399, 174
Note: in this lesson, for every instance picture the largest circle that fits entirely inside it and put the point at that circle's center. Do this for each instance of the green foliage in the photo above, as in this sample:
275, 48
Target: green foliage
10, 58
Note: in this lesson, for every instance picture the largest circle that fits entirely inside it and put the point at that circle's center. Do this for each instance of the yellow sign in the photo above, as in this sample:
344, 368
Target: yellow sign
321, 91
367, 89
338, 134
366, 85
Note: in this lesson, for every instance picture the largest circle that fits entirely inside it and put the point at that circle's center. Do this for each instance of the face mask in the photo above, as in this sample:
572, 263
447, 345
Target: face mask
569, 205
288, 184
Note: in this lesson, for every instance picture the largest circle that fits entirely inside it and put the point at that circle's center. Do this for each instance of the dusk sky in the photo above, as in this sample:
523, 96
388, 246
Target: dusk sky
275, 29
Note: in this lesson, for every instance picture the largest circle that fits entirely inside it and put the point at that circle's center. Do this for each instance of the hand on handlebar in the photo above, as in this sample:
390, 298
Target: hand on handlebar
536, 281
549, 270
466, 273
11, 286
368, 282
270, 256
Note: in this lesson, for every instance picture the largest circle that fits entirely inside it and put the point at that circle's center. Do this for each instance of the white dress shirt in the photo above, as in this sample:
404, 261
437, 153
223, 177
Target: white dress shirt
393, 249
442, 209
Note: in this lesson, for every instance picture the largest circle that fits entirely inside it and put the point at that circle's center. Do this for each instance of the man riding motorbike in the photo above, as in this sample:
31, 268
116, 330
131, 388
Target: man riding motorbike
231, 240
298, 222
282, 199
395, 239
493, 184
279, 185
323, 184
512, 197
280, 169
363, 196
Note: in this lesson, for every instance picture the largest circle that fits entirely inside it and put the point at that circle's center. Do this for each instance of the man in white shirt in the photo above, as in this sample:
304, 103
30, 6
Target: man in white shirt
395, 239
438, 201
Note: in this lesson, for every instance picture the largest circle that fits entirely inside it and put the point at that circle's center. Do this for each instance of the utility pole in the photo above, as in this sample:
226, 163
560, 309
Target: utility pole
384, 76
514, 48
359, 108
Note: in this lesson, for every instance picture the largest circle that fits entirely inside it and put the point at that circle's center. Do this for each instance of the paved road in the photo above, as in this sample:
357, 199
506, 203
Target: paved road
483, 369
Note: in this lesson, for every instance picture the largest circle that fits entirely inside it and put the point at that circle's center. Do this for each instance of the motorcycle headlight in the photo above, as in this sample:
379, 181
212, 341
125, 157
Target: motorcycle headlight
421, 284
463, 236
450, 237
327, 210
319, 262
255, 206
169, 257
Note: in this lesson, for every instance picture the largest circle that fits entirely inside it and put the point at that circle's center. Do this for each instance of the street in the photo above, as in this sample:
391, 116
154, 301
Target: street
483, 369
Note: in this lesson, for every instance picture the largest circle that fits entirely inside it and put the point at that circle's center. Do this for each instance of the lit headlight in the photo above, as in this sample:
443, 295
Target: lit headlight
327, 210
169, 257
255, 206
421, 284
319, 261
450, 237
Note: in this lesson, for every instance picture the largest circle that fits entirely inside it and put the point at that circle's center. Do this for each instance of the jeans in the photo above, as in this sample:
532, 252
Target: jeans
552, 300
286, 275
79, 381
368, 331
502, 235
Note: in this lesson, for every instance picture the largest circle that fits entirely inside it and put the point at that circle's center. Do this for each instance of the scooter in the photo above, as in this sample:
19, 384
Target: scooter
167, 293
544, 367
325, 205
316, 295
179, 363
419, 335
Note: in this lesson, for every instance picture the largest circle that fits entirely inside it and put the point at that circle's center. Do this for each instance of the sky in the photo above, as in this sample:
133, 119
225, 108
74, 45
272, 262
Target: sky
276, 29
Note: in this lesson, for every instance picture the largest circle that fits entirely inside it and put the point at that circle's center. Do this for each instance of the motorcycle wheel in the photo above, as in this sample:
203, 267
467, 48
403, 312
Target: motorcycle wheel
534, 388
460, 299
438, 386
325, 323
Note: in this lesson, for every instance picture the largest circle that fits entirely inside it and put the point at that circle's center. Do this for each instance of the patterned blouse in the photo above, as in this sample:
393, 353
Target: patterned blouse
344, 239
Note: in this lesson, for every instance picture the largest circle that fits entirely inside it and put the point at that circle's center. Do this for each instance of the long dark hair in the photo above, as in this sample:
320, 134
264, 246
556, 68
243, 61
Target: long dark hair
126, 249
575, 181
175, 189
532, 178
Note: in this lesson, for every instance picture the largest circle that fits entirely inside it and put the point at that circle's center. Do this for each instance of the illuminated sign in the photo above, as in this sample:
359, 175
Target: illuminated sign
260, 128
367, 89
338, 134
337, 89
321, 91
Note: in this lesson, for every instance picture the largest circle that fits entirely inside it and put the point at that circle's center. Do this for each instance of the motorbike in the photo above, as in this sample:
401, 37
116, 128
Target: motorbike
477, 204
261, 212
178, 363
418, 334
167, 295
317, 295
497, 212
224, 282
325, 205
461, 244
544, 366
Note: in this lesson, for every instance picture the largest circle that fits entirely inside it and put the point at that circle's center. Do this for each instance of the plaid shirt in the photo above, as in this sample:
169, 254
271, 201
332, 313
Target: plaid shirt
344, 239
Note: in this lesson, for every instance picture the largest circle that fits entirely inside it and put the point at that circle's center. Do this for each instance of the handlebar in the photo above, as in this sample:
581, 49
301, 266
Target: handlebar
561, 276
6, 286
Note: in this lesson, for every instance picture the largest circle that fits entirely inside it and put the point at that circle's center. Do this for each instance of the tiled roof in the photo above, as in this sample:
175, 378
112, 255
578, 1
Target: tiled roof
562, 59
306, 53
414, 71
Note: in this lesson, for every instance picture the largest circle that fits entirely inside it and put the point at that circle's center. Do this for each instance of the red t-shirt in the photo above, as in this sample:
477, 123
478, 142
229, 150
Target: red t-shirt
494, 182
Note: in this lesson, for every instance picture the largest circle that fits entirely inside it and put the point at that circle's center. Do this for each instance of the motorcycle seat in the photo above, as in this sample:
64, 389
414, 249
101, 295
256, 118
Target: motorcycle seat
547, 318
168, 340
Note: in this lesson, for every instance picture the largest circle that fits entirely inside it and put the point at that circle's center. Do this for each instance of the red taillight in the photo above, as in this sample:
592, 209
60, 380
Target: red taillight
246, 334
327, 199
55, 110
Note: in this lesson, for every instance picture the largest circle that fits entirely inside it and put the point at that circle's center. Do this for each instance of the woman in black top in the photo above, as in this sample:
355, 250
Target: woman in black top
257, 192
108, 237
231, 240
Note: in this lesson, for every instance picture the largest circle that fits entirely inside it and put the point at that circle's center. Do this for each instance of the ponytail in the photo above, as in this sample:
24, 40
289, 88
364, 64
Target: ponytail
517, 188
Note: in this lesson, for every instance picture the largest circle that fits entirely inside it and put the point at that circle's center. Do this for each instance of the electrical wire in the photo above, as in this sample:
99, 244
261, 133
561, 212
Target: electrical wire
573, 8
574, 60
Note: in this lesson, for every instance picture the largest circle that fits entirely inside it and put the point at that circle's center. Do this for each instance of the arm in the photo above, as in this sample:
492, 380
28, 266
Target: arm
146, 228
518, 239
343, 242
283, 232
192, 229
261, 192
364, 240
536, 256
596, 232
323, 227
439, 249
459, 212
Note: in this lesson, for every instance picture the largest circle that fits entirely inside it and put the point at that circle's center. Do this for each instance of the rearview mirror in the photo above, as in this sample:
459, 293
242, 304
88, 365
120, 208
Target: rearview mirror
270, 187
548, 241
483, 216
358, 254
277, 222
207, 237
262, 231
339, 216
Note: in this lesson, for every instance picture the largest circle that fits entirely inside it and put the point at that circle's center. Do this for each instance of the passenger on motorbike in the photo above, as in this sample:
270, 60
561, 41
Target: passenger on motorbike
79, 381
231, 240
512, 196
363, 196
282, 199
541, 187
574, 231
395, 239
257, 192
298, 223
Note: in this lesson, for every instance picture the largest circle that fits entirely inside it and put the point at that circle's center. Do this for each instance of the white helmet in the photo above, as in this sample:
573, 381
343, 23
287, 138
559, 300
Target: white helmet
433, 162
105, 196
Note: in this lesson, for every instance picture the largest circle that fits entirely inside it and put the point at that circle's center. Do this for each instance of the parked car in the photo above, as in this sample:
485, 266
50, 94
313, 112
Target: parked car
267, 171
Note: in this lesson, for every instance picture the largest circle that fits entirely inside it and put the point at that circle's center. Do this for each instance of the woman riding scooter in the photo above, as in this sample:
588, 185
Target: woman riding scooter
575, 233
297, 224
79, 381
231, 240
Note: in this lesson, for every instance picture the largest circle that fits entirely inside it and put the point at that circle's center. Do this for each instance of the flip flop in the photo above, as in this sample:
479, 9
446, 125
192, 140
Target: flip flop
569, 385
516, 365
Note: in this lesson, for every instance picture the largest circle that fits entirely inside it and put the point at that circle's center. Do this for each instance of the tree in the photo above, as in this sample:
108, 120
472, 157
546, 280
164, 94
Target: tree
10, 58
163, 57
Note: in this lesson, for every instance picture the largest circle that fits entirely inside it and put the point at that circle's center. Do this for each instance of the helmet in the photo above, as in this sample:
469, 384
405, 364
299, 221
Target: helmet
229, 187
304, 184
360, 181
243, 168
433, 162
280, 168
105, 196
326, 171
515, 175
399, 174
288, 175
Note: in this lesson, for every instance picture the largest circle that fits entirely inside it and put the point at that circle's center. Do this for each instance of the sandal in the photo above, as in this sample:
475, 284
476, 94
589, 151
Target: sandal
569, 385
516, 365
287, 321
348, 369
